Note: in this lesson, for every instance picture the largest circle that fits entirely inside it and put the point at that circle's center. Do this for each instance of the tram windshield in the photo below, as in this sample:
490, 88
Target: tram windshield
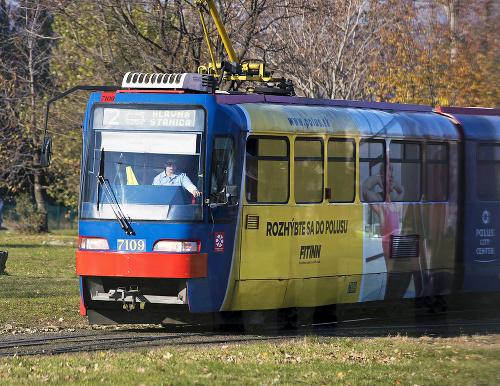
150, 162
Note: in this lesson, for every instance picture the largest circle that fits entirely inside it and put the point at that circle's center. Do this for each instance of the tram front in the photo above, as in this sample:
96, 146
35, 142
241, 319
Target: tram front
141, 218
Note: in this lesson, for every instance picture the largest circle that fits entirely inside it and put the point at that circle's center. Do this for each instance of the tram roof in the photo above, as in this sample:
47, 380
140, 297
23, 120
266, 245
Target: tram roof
262, 98
266, 113
477, 123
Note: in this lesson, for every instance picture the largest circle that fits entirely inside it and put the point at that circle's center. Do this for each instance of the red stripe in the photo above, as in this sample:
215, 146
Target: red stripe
83, 309
147, 264
108, 97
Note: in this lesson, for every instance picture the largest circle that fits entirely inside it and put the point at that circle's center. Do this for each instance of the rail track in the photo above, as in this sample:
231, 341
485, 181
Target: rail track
120, 340
451, 323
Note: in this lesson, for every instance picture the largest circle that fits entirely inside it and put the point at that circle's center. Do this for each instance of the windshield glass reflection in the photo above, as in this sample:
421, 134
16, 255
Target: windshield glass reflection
154, 175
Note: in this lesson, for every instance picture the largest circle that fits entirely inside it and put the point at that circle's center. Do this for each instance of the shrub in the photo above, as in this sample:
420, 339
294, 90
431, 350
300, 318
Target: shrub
29, 220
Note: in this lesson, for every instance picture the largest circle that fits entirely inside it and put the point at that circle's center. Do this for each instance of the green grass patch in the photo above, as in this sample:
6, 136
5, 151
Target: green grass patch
40, 286
316, 361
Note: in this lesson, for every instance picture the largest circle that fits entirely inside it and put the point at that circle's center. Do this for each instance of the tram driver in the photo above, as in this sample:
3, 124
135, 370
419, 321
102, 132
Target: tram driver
172, 177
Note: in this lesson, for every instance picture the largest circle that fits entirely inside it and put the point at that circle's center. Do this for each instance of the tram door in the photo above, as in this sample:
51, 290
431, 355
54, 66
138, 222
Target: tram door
222, 212
263, 269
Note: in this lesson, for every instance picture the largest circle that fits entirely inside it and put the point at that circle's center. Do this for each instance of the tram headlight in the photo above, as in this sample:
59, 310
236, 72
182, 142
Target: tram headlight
93, 243
176, 246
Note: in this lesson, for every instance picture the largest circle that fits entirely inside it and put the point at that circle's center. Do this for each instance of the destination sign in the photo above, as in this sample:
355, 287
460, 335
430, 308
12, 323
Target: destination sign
152, 118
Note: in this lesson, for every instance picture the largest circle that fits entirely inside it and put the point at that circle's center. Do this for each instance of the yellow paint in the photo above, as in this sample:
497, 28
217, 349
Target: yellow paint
309, 265
258, 294
301, 255
313, 291
220, 28
300, 119
294, 259
350, 288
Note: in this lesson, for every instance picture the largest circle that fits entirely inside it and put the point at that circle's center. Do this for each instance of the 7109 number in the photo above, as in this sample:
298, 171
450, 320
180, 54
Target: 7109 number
131, 245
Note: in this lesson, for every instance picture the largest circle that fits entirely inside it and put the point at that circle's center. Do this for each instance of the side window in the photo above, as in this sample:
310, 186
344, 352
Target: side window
341, 169
488, 172
436, 171
371, 170
222, 163
308, 174
267, 170
405, 171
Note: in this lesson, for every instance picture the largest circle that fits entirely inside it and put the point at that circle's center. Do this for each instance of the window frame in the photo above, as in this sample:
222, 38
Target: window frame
405, 160
268, 158
446, 162
321, 159
485, 162
343, 159
366, 159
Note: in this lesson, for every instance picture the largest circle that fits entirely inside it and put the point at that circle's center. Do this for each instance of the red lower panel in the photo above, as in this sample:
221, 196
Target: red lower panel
147, 264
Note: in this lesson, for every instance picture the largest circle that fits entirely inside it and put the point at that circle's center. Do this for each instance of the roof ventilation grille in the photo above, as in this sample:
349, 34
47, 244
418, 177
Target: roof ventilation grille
186, 81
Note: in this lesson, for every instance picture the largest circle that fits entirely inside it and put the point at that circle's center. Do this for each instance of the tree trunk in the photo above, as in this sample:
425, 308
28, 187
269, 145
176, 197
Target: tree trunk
35, 136
452, 9
40, 202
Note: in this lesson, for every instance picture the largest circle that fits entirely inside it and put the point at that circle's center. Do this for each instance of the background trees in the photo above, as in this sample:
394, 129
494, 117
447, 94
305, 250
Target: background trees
329, 47
25, 52
444, 52
439, 56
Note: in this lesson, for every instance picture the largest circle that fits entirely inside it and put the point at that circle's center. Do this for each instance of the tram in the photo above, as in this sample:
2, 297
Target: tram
303, 203
198, 203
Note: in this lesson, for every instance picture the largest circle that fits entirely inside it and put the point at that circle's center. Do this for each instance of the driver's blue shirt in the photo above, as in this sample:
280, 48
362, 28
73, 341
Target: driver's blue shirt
179, 179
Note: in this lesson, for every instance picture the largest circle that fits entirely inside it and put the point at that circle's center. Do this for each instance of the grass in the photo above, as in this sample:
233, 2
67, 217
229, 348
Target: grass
40, 288
311, 360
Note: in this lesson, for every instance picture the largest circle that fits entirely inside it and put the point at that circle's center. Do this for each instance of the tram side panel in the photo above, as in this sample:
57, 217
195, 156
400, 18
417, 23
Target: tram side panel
297, 248
313, 255
409, 238
479, 216
482, 217
297, 254
409, 246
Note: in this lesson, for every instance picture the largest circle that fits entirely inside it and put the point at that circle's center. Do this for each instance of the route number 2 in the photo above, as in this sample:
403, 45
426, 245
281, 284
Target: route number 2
131, 245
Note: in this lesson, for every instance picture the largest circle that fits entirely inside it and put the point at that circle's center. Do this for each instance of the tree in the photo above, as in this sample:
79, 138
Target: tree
409, 66
475, 67
99, 41
327, 49
24, 69
445, 54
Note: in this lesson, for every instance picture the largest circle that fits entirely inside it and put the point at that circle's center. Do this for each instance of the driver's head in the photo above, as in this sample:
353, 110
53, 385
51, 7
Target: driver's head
170, 164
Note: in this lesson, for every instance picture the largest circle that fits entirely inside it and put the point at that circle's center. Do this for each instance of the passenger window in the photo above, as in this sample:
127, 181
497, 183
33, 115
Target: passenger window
488, 172
341, 169
436, 168
371, 170
222, 164
308, 170
267, 170
405, 171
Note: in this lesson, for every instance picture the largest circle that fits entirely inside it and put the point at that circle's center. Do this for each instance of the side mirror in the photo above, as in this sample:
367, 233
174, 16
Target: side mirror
231, 194
46, 153
227, 196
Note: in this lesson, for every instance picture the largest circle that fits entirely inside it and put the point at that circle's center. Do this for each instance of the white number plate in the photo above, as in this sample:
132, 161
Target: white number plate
131, 245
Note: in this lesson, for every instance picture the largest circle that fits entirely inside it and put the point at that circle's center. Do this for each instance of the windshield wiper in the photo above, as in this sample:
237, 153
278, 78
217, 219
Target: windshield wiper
110, 195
